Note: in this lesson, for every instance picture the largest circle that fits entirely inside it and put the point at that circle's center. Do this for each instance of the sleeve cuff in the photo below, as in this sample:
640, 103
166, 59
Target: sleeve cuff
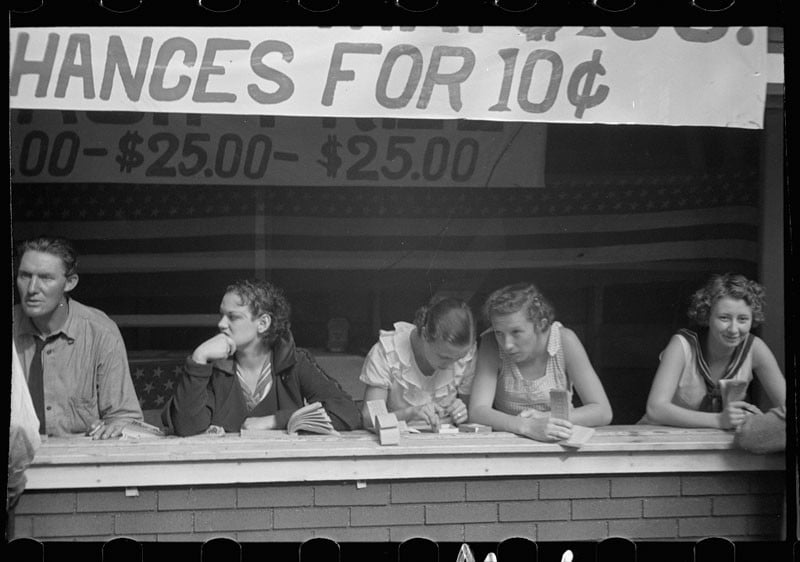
282, 418
196, 369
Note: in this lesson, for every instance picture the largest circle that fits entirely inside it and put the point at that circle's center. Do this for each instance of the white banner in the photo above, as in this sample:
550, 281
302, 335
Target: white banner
131, 147
644, 75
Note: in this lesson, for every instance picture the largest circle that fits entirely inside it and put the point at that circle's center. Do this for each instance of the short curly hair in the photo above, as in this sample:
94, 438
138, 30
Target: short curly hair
262, 297
516, 297
730, 285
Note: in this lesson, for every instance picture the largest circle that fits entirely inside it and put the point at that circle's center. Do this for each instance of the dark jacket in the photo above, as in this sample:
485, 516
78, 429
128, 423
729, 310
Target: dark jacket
211, 395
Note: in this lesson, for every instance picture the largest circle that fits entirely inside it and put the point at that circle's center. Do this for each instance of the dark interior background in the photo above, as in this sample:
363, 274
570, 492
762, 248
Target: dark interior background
624, 313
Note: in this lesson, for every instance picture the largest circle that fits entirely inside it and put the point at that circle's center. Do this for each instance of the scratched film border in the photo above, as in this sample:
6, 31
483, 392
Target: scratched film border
38, 13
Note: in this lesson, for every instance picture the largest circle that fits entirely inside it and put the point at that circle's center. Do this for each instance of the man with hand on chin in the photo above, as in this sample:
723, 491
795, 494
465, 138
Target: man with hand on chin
73, 355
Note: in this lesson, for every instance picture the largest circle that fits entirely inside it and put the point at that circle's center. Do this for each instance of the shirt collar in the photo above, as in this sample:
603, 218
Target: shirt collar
226, 365
402, 342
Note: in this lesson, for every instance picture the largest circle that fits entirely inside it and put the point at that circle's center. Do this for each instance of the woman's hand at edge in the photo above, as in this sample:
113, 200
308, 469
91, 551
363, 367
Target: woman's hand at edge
545, 429
220, 346
263, 422
735, 413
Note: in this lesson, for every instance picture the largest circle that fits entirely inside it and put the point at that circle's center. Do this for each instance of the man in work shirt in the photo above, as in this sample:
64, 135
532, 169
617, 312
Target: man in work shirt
73, 355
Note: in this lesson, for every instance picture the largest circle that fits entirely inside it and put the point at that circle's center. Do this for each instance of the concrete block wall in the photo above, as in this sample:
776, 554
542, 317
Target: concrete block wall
739, 506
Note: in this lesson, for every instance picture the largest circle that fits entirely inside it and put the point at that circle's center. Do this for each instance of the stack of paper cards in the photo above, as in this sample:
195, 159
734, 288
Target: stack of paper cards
375, 408
732, 391
447, 428
418, 426
474, 428
559, 404
312, 419
138, 429
580, 435
386, 425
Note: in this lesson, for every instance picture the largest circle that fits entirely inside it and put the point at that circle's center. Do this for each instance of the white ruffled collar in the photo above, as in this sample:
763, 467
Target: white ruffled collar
400, 355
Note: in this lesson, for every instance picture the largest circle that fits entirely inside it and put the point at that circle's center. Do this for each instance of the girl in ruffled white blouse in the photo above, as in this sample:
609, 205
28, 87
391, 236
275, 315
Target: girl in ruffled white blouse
423, 370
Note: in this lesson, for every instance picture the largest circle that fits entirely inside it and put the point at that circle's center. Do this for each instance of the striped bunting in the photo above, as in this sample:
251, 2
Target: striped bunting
144, 228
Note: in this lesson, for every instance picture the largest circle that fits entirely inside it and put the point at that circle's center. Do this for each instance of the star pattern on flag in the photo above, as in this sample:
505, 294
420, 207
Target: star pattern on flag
154, 380
600, 196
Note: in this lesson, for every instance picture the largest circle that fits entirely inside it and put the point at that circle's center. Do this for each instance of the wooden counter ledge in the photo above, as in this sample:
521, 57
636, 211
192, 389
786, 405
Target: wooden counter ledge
78, 462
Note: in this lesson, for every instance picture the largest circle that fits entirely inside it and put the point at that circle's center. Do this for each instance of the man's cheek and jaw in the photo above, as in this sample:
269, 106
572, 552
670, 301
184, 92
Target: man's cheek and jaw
37, 298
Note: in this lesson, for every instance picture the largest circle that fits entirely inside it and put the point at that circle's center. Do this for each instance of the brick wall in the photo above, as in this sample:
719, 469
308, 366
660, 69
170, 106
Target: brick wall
740, 506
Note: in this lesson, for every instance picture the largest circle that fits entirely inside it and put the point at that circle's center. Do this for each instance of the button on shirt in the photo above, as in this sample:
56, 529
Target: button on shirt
86, 373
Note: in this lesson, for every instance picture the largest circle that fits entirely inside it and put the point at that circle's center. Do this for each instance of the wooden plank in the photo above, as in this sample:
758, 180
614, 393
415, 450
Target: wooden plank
387, 468
279, 445
275, 456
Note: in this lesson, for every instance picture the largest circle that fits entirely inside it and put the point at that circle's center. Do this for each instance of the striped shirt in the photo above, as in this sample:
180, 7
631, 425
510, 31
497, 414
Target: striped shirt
254, 396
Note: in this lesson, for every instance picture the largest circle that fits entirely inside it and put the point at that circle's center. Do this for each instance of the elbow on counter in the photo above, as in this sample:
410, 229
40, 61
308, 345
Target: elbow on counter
475, 415
183, 431
182, 426
479, 414
653, 413
606, 417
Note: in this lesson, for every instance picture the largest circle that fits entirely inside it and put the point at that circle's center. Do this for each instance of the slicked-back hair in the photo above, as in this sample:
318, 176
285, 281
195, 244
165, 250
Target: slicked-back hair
53, 245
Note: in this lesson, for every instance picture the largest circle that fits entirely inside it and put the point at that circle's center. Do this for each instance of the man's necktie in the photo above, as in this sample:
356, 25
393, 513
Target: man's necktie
36, 383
